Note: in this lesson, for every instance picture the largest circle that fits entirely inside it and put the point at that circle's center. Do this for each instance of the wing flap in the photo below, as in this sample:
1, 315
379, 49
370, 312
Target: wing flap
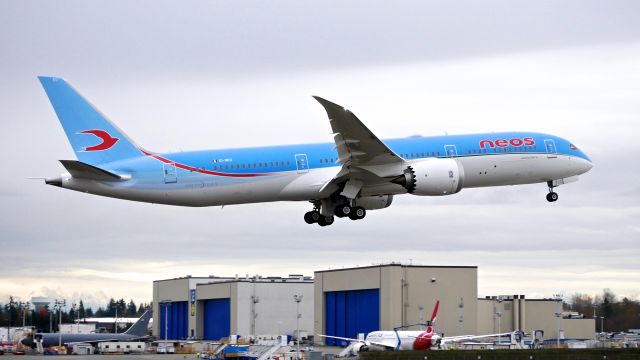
81, 170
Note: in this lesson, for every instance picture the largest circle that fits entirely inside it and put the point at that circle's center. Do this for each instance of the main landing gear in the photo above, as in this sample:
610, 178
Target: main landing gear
316, 217
551, 196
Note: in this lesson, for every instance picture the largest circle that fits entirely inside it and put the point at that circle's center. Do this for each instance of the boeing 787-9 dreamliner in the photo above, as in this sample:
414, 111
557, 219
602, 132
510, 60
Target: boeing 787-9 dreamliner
355, 173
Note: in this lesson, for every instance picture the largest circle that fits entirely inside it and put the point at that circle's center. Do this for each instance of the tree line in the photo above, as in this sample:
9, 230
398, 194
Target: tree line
15, 313
619, 314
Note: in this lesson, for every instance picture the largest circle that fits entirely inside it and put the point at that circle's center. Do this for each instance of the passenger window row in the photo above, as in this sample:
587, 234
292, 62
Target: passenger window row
419, 155
252, 166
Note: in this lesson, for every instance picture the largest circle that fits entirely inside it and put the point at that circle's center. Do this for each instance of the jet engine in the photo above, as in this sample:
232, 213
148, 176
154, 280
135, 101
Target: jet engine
374, 202
432, 177
359, 347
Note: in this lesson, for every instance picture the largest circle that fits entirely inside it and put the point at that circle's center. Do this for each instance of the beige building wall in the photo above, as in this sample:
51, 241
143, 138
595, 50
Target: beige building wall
529, 315
275, 310
408, 294
171, 290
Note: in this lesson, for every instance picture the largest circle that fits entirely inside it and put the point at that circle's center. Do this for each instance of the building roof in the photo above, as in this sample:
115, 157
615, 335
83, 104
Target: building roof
400, 265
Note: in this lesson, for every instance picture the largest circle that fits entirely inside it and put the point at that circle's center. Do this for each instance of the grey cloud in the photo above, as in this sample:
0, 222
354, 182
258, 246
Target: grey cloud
125, 57
240, 38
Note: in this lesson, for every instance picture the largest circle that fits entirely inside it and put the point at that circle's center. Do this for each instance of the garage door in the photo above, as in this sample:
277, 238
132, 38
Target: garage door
174, 320
217, 319
348, 313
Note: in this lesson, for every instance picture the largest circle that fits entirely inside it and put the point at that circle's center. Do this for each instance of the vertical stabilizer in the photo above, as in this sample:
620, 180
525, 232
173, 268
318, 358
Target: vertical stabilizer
94, 139
141, 326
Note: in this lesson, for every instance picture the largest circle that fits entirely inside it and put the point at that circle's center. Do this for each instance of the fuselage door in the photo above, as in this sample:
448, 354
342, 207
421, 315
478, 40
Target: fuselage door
170, 174
302, 164
451, 150
550, 146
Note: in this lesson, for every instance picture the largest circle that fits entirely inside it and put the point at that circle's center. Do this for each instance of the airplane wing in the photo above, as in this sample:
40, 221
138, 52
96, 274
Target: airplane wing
92, 342
358, 341
356, 144
449, 339
365, 158
340, 338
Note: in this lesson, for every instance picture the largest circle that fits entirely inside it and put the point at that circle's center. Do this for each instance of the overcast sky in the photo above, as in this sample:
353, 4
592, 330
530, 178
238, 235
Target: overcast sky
189, 75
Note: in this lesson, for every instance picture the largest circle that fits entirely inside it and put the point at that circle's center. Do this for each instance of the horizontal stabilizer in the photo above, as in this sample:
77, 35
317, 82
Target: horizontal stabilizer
78, 169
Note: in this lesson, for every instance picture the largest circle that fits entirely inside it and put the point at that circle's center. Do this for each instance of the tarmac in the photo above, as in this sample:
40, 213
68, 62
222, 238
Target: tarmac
106, 357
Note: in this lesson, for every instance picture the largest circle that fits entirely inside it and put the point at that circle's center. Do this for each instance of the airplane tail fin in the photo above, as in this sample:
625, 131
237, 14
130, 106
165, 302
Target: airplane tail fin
94, 139
141, 326
435, 312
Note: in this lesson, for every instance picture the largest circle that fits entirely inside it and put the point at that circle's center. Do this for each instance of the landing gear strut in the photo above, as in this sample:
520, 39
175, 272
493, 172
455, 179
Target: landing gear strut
551, 196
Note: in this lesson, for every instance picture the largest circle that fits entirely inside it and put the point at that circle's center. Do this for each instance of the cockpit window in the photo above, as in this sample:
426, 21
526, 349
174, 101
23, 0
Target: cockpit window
573, 147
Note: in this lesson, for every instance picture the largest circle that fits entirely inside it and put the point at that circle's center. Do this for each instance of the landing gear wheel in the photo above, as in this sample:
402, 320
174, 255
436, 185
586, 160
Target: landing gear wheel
311, 217
357, 213
325, 220
342, 210
552, 196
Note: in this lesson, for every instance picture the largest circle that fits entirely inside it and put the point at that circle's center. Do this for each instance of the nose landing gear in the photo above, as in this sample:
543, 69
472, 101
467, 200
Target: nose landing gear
551, 196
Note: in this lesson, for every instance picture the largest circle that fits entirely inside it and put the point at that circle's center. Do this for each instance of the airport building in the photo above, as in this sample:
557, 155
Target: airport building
364, 299
211, 308
514, 312
352, 301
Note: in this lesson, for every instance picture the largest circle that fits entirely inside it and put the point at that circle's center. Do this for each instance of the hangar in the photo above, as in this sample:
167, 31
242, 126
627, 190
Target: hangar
211, 308
350, 301
172, 300
360, 300
507, 313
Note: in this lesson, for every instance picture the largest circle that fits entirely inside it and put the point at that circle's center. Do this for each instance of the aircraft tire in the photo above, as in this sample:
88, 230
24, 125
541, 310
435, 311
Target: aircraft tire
325, 220
311, 217
552, 196
342, 210
358, 213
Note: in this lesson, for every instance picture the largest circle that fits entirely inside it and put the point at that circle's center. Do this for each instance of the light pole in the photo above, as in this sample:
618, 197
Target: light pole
59, 304
254, 315
115, 322
499, 301
595, 317
24, 307
602, 324
166, 304
298, 299
558, 314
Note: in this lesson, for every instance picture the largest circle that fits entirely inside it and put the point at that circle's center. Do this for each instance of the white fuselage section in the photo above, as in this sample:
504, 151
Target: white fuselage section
203, 190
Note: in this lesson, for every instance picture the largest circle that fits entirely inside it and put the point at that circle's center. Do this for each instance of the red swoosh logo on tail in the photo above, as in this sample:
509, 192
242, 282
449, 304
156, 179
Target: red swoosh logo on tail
107, 140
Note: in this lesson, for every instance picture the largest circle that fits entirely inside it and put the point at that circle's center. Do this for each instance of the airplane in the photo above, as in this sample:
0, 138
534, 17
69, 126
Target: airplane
137, 331
399, 340
356, 173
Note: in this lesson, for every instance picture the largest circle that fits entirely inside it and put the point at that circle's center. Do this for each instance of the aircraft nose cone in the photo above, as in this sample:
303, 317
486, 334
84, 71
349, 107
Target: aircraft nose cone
26, 341
584, 166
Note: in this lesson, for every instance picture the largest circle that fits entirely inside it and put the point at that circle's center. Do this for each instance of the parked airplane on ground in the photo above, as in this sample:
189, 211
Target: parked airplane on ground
356, 173
397, 339
137, 331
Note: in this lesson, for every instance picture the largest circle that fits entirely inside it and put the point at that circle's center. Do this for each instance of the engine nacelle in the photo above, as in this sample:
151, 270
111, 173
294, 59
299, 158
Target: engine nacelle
432, 177
375, 202
359, 347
